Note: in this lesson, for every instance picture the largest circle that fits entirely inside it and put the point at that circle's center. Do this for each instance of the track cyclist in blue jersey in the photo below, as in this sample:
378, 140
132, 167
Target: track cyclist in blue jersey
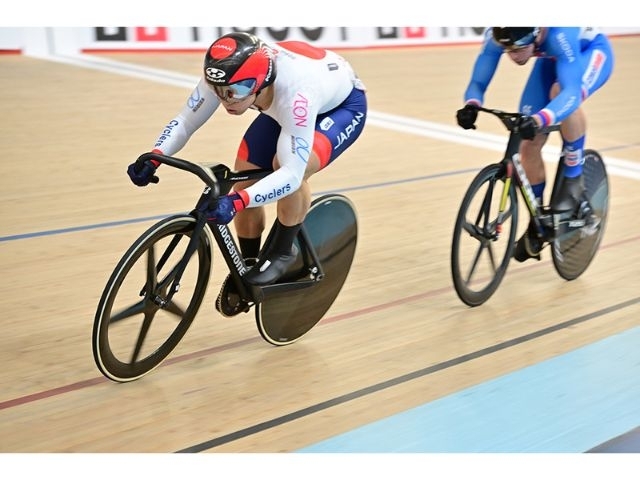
571, 63
310, 107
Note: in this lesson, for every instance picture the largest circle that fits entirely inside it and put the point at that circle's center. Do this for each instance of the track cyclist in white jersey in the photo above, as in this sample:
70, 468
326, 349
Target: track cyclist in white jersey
571, 63
311, 108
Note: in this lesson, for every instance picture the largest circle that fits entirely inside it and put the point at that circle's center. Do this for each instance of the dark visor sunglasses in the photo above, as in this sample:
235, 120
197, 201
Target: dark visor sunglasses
236, 91
523, 42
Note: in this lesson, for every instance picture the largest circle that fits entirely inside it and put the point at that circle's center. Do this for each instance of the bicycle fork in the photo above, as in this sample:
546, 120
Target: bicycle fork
176, 274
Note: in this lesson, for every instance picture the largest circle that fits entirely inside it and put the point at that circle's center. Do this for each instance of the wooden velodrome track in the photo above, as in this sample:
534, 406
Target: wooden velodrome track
69, 211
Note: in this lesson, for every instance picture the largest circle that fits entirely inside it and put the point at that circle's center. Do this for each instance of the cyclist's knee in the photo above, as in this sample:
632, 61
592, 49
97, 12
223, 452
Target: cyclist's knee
292, 209
532, 148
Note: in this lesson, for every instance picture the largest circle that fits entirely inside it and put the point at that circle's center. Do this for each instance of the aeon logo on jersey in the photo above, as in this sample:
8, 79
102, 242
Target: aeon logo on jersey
166, 133
300, 110
214, 75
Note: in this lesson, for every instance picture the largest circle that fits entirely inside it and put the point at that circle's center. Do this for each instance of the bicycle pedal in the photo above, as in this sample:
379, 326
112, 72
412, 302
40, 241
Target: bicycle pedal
229, 303
229, 311
524, 249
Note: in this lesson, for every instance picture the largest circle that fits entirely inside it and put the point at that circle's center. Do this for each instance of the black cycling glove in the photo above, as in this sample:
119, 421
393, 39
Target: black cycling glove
466, 117
527, 127
143, 173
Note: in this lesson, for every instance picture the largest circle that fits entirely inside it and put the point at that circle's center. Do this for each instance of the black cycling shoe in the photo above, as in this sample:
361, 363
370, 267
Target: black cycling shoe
229, 302
271, 268
569, 196
528, 246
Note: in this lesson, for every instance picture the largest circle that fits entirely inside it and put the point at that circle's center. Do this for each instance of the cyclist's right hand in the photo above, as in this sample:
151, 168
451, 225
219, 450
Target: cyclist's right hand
142, 173
466, 117
527, 128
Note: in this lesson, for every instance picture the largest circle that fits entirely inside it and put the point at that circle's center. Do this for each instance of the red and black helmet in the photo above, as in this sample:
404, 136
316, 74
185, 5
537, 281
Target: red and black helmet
239, 57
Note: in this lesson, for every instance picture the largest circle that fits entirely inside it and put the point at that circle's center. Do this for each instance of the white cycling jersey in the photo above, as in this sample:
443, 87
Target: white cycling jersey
309, 81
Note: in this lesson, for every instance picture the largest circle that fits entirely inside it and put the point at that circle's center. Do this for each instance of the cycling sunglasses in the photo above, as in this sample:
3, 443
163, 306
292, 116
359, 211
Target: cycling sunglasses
236, 91
523, 42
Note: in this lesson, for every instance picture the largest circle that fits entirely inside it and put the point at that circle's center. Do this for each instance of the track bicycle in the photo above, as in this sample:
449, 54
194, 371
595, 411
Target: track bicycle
157, 287
484, 234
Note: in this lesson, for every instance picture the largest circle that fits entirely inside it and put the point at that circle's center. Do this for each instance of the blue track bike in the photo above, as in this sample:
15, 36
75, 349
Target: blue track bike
484, 234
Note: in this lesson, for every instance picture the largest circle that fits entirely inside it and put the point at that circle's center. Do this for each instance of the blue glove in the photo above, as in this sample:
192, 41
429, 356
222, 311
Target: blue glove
226, 209
143, 173
527, 127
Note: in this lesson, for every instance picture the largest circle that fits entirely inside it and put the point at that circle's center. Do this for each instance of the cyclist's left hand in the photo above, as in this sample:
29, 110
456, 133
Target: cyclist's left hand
228, 206
527, 127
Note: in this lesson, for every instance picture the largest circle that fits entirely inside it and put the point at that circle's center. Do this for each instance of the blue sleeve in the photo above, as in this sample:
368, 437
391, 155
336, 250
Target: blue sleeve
563, 43
483, 69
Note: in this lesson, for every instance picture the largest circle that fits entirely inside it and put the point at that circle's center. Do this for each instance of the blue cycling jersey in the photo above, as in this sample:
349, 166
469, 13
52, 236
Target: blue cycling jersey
580, 59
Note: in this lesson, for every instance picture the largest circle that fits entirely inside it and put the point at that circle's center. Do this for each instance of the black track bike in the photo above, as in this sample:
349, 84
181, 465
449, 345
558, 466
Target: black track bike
484, 234
157, 287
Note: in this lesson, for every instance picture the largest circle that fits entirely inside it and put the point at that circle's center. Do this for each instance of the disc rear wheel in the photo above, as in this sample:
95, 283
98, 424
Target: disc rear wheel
285, 315
573, 252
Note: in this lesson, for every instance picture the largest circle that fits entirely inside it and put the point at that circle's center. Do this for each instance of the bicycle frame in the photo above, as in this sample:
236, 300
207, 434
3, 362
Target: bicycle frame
219, 179
479, 261
511, 162
179, 248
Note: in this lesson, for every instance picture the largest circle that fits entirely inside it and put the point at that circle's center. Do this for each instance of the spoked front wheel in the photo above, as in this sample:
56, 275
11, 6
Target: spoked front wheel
483, 240
573, 253
137, 325
285, 315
